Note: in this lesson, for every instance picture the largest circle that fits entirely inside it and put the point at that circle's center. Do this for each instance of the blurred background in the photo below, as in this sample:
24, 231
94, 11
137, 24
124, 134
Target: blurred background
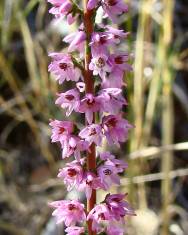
157, 91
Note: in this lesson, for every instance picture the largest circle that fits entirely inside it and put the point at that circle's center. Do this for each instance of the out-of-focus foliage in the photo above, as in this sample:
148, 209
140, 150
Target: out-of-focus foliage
26, 100
158, 96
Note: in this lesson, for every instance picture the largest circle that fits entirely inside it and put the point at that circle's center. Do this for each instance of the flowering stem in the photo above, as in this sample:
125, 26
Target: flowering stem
100, 62
91, 157
91, 164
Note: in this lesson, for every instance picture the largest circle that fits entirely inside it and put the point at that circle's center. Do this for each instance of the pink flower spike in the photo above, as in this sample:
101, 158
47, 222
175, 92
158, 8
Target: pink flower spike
115, 129
70, 100
92, 133
74, 230
60, 130
93, 70
68, 211
89, 105
63, 68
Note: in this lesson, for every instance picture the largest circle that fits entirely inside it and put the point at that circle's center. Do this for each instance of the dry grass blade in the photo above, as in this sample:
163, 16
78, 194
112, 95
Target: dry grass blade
156, 176
31, 4
167, 117
138, 98
29, 54
151, 152
7, 107
44, 76
6, 21
152, 97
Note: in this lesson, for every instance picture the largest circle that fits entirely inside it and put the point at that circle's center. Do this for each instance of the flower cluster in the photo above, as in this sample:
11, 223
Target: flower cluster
108, 67
113, 209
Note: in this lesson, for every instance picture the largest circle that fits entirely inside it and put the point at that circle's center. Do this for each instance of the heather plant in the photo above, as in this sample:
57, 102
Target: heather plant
96, 67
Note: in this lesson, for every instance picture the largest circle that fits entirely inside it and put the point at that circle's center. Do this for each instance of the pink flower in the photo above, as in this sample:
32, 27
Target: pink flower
115, 229
76, 41
89, 182
106, 156
80, 86
63, 8
112, 100
92, 4
92, 134
115, 79
99, 43
101, 40
100, 65
119, 65
99, 214
73, 145
115, 34
110, 160
60, 7
74, 230
63, 68
120, 60
108, 175
72, 174
114, 8
115, 129
89, 105
68, 211
120, 165
70, 100
60, 130
71, 18
118, 207
113, 209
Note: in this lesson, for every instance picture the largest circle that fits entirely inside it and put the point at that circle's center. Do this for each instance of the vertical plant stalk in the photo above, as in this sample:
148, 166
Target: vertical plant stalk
136, 142
167, 117
88, 79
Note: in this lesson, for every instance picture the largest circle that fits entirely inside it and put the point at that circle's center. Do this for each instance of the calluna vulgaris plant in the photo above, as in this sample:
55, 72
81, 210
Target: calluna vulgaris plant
96, 66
